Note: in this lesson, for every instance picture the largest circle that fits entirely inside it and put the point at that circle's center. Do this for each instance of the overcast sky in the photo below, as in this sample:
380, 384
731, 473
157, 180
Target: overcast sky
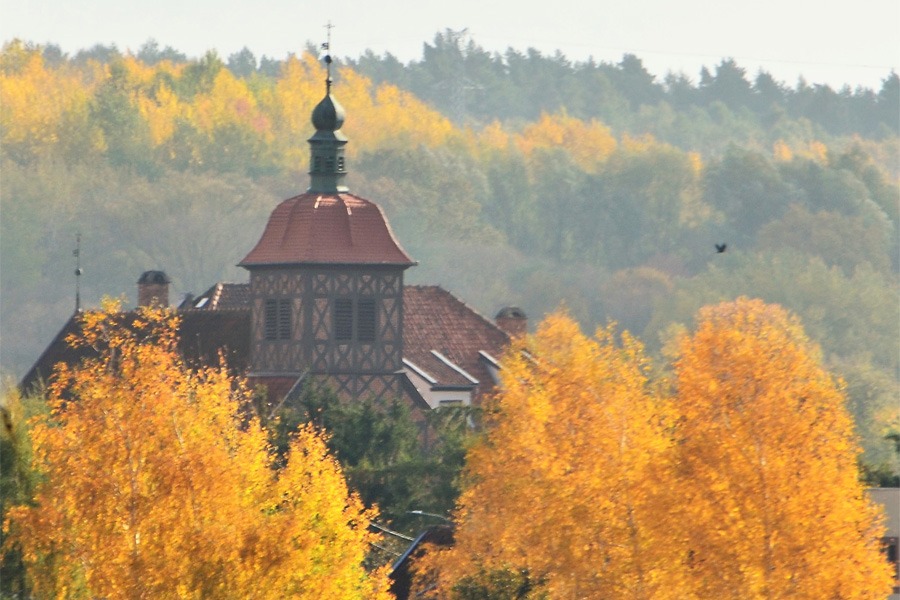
835, 42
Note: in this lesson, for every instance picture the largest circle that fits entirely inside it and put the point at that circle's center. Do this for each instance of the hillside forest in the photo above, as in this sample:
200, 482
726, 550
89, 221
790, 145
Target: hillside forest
514, 179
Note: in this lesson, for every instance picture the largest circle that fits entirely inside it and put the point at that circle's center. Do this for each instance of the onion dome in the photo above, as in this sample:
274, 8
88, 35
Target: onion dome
328, 115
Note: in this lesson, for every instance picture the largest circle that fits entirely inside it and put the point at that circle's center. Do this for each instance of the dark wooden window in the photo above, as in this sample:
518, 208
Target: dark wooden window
343, 319
366, 320
355, 320
278, 319
284, 320
271, 319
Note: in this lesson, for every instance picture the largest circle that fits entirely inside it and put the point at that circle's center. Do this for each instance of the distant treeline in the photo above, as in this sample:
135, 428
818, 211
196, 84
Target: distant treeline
515, 179
467, 82
470, 84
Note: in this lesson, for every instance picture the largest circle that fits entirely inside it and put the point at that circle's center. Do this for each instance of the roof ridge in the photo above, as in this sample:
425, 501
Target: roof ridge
454, 366
347, 219
216, 296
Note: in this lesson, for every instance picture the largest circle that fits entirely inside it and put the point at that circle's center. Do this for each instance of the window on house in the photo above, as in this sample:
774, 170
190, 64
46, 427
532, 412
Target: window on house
271, 319
278, 319
366, 320
284, 320
355, 320
343, 319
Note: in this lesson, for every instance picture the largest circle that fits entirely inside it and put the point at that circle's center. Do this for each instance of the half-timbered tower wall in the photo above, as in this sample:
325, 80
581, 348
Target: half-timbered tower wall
327, 320
277, 321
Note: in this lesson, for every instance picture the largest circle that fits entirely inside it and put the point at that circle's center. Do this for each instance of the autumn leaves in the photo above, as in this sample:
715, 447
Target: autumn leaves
732, 476
197, 115
739, 482
156, 486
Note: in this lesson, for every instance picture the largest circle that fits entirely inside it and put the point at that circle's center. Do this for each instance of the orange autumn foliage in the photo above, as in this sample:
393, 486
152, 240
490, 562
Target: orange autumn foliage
158, 485
743, 484
567, 478
769, 499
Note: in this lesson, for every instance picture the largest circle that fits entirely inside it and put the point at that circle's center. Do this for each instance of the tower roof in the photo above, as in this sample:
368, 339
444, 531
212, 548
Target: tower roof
327, 224
328, 116
315, 228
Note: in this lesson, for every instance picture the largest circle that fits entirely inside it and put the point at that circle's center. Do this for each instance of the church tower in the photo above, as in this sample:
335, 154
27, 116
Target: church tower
326, 280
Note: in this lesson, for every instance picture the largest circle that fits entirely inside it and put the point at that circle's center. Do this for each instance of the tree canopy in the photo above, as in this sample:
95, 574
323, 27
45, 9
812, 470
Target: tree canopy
765, 465
156, 482
740, 482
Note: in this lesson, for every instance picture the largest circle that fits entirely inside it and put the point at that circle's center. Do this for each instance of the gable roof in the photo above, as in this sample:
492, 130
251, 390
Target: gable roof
337, 228
203, 337
439, 328
56, 352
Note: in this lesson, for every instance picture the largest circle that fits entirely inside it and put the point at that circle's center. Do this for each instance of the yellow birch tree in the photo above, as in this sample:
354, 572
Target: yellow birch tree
767, 482
158, 485
566, 484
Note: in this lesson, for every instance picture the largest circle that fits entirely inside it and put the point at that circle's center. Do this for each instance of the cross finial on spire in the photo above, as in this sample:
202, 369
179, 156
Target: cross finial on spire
327, 47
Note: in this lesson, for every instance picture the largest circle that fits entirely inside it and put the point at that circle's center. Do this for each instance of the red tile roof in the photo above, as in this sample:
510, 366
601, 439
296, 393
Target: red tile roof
441, 334
204, 337
327, 229
221, 296
436, 320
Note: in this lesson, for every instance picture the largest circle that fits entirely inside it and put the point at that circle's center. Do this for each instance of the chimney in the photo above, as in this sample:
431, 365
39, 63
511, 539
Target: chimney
513, 321
153, 289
